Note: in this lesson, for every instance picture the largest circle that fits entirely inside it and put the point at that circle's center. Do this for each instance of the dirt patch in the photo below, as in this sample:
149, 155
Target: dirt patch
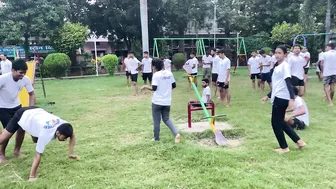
199, 127
208, 142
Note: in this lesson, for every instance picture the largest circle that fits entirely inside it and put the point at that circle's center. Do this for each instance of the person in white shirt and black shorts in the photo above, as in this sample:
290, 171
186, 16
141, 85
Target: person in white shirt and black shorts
43, 127
266, 66
223, 80
297, 64
282, 97
147, 73
193, 63
206, 61
133, 64
254, 69
215, 60
11, 85
328, 69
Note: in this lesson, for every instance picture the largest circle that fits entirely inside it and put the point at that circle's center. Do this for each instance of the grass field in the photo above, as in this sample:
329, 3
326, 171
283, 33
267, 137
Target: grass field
114, 132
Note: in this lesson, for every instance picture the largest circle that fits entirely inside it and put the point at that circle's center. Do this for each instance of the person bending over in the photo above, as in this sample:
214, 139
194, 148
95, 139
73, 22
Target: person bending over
299, 118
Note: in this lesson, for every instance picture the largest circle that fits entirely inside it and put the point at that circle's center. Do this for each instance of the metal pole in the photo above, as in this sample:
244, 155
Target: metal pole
144, 24
95, 46
237, 49
327, 24
215, 11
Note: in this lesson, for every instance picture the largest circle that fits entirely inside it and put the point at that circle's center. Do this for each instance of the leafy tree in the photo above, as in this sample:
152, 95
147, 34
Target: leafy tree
69, 38
285, 32
77, 10
23, 19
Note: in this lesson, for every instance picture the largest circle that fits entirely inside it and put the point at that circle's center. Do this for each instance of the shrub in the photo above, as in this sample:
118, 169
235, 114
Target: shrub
178, 60
110, 63
267, 49
57, 64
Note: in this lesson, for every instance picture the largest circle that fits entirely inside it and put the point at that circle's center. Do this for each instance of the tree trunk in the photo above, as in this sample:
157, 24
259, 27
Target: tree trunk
181, 43
26, 46
327, 37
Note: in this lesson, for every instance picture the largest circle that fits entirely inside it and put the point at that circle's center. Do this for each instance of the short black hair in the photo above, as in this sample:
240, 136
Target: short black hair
65, 129
5, 55
206, 80
19, 64
331, 45
192, 53
296, 91
221, 51
273, 51
158, 64
297, 45
131, 52
262, 52
146, 52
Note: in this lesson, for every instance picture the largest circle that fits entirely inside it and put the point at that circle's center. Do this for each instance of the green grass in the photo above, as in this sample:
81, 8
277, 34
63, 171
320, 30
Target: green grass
114, 132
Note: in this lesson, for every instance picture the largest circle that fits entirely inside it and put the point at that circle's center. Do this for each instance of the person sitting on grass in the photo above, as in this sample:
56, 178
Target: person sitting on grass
299, 118
163, 84
43, 127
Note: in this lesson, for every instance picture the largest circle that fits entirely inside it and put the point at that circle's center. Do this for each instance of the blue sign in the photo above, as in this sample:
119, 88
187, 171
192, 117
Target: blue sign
11, 50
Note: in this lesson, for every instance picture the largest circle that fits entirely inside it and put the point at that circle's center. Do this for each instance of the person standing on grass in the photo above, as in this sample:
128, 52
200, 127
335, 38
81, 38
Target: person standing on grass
11, 85
297, 64
147, 68
127, 67
318, 64
215, 60
282, 97
206, 61
265, 64
162, 85
328, 69
43, 127
224, 67
133, 64
6, 65
299, 118
193, 63
306, 55
254, 69
167, 64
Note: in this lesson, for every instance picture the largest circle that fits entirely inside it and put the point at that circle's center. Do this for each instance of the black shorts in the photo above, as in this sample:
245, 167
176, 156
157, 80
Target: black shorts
254, 76
194, 75
223, 85
266, 77
214, 77
298, 124
6, 115
128, 73
13, 125
134, 77
297, 82
306, 70
148, 76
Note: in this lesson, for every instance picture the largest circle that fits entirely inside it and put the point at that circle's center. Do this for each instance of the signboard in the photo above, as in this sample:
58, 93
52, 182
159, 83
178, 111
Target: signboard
23, 95
10, 50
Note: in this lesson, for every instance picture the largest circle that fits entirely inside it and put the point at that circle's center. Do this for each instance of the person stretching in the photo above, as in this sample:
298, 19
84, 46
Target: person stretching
163, 84
299, 118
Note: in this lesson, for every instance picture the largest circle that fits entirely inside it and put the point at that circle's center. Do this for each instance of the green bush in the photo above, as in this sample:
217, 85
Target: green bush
110, 62
57, 64
267, 49
178, 60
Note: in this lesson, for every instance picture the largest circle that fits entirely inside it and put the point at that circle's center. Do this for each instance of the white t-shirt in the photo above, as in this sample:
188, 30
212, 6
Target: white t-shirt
147, 64
300, 102
163, 80
320, 56
297, 63
223, 66
215, 62
254, 63
40, 124
206, 92
329, 66
167, 64
10, 89
132, 64
306, 55
6, 66
279, 86
207, 61
265, 61
193, 63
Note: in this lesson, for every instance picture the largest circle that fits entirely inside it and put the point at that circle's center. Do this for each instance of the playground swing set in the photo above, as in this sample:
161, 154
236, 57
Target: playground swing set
200, 46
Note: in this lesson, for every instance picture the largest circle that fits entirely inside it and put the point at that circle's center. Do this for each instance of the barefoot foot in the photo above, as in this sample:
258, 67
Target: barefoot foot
177, 138
17, 153
300, 144
3, 159
282, 150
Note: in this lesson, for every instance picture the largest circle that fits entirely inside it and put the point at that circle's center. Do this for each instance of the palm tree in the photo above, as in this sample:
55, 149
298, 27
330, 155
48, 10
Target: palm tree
144, 24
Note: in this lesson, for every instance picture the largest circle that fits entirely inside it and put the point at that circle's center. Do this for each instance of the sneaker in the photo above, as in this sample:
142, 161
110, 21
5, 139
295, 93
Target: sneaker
177, 138
153, 140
